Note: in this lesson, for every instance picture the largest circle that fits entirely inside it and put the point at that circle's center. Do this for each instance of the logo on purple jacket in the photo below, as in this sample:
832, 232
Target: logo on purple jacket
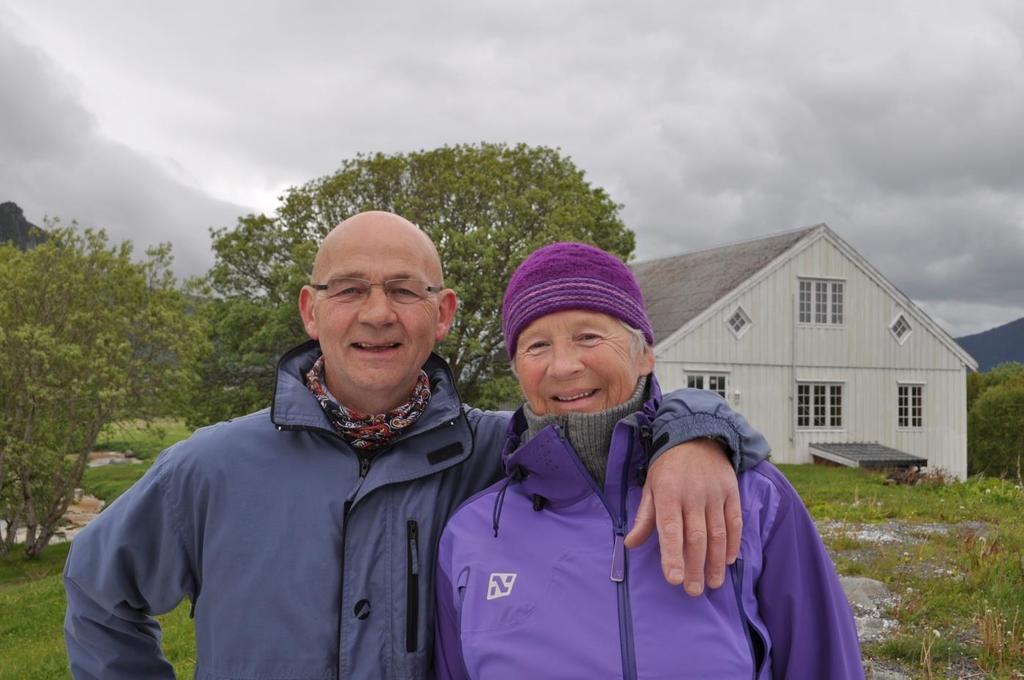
500, 585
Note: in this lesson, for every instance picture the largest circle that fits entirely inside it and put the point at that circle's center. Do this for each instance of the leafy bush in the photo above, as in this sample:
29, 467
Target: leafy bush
977, 383
995, 431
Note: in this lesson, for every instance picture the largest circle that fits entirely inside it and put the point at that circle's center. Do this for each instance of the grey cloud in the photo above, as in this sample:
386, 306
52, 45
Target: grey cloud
39, 122
909, 149
56, 162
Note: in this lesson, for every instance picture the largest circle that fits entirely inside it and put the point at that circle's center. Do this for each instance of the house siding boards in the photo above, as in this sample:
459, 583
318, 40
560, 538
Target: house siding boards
776, 352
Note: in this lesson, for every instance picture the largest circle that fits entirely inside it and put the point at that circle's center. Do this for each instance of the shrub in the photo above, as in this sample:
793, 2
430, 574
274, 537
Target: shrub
995, 431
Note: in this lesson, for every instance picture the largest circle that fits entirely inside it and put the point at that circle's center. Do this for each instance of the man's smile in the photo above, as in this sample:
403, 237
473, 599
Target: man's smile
376, 346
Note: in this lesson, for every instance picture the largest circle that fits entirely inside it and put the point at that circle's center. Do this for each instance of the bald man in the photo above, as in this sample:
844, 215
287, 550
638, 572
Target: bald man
305, 534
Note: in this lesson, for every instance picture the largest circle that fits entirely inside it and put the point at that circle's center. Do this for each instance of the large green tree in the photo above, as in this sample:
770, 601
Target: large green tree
87, 336
486, 206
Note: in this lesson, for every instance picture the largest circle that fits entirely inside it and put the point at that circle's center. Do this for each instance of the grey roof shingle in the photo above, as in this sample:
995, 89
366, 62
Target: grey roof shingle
676, 289
868, 454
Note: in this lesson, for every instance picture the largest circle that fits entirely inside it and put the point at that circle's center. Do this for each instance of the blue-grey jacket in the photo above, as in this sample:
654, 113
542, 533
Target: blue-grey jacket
302, 561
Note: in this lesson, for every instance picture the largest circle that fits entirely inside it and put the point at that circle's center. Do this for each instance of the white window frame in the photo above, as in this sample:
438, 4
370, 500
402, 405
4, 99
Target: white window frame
821, 394
747, 322
823, 299
706, 378
909, 416
900, 339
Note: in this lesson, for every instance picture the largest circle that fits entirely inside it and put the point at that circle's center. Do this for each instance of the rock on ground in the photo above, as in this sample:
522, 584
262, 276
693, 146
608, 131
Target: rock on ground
101, 458
874, 670
82, 511
870, 601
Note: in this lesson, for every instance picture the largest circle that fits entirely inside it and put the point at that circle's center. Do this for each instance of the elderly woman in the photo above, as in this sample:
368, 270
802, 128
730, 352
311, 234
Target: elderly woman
533, 579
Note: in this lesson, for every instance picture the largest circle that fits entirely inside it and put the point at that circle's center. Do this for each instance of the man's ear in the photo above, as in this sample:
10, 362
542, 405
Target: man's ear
447, 304
307, 312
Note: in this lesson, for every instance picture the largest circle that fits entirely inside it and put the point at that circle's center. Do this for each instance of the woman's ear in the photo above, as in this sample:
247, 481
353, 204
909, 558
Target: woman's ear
645, 362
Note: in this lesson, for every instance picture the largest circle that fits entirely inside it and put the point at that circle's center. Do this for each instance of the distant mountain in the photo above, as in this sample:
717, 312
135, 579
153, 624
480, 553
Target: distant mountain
15, 228
996, 345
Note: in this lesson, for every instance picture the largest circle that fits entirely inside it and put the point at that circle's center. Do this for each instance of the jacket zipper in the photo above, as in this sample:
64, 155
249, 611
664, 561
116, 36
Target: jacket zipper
625, 612
748, 627
412, 585
619, 559
625, 609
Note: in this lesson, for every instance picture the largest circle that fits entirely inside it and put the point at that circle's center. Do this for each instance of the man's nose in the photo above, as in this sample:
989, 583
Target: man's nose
376, 308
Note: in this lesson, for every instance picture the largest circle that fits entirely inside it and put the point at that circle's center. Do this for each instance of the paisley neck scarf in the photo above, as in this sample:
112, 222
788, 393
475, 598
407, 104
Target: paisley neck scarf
368, 432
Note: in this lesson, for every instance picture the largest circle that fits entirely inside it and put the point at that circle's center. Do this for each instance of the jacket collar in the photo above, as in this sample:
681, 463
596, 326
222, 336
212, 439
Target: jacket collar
295, 407
552, 468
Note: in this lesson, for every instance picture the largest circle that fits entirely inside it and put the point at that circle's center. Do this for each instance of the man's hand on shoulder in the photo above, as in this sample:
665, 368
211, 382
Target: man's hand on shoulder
693, 499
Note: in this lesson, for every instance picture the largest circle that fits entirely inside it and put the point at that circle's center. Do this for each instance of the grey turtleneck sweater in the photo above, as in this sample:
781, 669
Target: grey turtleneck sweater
589, 433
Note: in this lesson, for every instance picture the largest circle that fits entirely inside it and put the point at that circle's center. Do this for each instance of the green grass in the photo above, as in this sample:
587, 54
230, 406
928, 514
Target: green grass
859, 496
31, 591
32, 619
967, 584
31, 615
14, 570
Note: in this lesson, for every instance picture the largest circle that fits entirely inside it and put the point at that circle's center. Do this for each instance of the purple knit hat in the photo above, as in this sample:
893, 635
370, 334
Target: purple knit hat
565, 276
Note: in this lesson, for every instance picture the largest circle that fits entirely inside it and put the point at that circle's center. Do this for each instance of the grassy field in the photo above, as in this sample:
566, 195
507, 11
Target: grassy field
145, 441
961, 590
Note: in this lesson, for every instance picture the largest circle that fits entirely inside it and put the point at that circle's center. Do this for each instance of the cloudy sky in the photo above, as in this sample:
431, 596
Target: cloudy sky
897, 123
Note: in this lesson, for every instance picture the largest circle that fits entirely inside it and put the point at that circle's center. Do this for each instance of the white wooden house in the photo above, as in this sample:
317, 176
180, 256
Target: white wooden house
815, 347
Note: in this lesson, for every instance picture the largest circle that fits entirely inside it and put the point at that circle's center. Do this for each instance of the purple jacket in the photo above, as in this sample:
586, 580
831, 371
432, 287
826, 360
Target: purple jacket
556, 595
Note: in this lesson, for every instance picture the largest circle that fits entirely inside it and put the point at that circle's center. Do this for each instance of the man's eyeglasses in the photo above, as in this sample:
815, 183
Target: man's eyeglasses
402, 291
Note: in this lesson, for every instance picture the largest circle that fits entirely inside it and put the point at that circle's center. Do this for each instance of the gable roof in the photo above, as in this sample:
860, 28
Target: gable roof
706, 276
681, 290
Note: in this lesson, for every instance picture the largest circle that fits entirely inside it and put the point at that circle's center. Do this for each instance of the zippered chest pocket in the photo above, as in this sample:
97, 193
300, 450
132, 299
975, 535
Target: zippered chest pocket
412, 585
